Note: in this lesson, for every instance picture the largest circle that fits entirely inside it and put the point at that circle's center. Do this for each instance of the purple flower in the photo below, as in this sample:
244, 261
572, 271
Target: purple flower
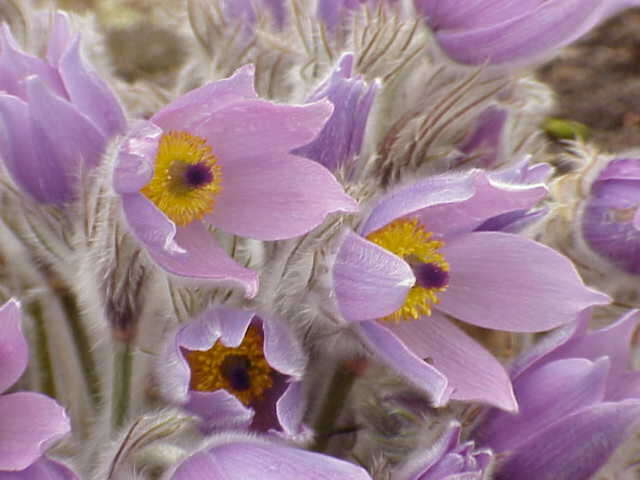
483, 146
610, 219
578, 401
55, 115
503, 31
220, 156
417, 259
235, 370
447, 459
340, 140
29, 421
242, 458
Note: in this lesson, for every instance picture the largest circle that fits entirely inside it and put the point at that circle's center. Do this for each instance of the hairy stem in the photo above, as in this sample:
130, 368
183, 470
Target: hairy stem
335, 400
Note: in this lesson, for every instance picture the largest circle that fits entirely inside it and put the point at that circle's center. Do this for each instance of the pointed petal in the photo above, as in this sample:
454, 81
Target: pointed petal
452, 204
613, 341
230, 323
393, 351
41, 177
529, 35
290, 409
484, 141
251, 458
16, 65
281, 348
60, 130
440, 189
257, 128
187, 252
548, 344
340, 139
513, 222
219, 410
42, 469
60, 37
473, 373
136, 156
546, 395
465, 14
274, 197
29, 422
14, 352
575, 447
197, 105
507, 282
368, 281
492, 197
90, 94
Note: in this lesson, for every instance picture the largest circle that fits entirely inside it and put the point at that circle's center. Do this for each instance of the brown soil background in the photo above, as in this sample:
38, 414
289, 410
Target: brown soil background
597, 83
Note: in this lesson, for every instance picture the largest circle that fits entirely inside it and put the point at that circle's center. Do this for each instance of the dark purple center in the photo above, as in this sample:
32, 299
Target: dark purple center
430, 275
235, 368
197, 175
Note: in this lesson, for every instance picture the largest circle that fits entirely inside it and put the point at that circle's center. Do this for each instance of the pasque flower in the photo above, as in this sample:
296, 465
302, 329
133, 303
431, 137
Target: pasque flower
219, 156
240, 457
579, 399
340, 140
447, 459
235, 370
417, 259
503, 31
610, 219
29, 421
56, 116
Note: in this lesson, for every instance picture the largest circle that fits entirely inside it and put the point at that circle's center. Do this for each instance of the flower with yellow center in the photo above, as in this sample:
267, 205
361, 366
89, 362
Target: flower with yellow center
242, 371
408, 239
186, 178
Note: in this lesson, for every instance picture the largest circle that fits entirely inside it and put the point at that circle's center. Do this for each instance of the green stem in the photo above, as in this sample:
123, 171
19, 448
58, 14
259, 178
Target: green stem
83, 345
43, 359
337, 394
122, 368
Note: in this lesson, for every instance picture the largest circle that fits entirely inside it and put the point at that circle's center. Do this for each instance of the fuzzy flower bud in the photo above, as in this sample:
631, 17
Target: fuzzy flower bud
340, 140
610, 219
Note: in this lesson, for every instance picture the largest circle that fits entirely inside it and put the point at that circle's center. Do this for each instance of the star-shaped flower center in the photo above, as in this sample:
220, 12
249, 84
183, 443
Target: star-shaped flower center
242, 371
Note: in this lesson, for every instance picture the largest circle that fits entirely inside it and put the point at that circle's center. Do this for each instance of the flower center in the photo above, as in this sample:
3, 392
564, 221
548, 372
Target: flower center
408, 239
242, 371
186, 178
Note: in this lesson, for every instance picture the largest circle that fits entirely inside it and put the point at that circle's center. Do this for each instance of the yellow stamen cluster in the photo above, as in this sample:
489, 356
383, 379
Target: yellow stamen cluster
207, 372
408, 239
168, 188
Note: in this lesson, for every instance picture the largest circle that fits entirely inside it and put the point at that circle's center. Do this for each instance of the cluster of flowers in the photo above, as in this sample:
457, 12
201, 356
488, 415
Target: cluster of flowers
215, 272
